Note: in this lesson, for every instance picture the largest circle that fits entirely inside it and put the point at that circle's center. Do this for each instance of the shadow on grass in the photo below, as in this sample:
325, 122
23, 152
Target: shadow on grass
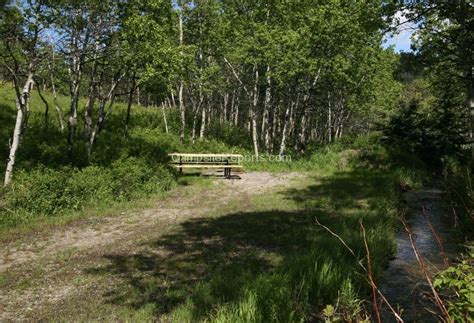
291, 263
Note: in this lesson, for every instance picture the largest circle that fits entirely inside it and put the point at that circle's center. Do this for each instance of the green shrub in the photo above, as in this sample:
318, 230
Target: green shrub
457, 286
41, 190
92, 184
429, 135
45, 192
132, 177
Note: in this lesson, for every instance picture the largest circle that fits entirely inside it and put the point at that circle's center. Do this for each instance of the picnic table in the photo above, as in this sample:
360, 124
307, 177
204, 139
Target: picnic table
225, 161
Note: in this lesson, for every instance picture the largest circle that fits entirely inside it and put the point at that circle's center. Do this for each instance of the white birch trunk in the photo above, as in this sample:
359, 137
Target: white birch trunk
253, 114
22, 106
275, 125
225, 105
285, 130
266, 112
329, 118
164, 117
203, 123
181, 85
56, 106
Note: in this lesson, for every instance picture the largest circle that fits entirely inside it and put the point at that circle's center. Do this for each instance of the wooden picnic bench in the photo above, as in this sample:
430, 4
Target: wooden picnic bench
225, 161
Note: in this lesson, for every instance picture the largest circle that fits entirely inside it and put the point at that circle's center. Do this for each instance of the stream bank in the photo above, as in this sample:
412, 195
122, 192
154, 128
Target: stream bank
437, 241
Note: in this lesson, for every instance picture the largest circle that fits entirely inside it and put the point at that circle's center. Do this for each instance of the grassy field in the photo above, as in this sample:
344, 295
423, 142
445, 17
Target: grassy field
227, 256
257, 257
272, 262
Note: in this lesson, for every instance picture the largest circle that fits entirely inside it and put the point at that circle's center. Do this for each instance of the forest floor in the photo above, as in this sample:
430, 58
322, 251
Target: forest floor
48, 272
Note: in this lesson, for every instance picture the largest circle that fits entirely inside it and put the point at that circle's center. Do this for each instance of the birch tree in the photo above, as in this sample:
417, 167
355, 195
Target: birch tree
20, 36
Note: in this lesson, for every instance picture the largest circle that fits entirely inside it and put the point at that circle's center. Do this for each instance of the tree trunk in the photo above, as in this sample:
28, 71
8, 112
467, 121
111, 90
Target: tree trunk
98, 126
22, 106
236, 116
56, 106
304, 130
275, 125
203, 123
266, 112
130, 100
72, 119
182, 111
268, 129
88, 112
26, 106
172, 99
164, 117
225, 106
79, 46
234, 109
285, 129
193, 135
102, 113
181, 85
470, 106
46, 107
329, 118
253, 114
294, 108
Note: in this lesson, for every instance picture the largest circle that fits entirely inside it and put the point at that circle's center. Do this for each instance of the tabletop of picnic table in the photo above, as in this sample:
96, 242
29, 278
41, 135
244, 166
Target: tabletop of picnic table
205, 155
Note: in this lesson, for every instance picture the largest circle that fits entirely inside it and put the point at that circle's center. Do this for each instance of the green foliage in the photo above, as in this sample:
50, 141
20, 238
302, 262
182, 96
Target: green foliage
123, 166
39, 190
434, 118
48, 192
458, 180
430, 127
133, 177
91, 184
456, 285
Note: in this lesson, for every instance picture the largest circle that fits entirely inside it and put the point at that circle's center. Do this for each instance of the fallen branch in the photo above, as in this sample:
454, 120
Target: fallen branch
438, 239
369, 274
382, 296
421, 264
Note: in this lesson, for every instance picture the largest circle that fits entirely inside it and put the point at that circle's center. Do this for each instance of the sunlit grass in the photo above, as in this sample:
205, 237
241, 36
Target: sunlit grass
267, 260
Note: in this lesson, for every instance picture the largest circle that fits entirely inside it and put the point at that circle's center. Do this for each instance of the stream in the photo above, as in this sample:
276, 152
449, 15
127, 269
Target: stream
404, 283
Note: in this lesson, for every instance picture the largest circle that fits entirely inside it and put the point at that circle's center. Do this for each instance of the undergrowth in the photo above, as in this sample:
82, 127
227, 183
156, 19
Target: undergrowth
456, 287
127, 163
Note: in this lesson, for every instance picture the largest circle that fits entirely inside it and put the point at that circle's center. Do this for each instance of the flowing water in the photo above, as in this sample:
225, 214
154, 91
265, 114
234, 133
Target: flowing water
404, 283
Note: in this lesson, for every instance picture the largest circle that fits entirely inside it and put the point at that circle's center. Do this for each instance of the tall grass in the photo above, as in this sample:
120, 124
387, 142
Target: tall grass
270, 261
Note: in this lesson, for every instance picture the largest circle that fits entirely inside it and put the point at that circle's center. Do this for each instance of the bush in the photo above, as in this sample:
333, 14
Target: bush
457, 286
41, 190
132, 177
90, 185
430, 136
46, 191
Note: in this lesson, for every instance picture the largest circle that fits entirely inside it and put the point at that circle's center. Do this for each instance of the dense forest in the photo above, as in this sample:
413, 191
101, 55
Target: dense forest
94, 95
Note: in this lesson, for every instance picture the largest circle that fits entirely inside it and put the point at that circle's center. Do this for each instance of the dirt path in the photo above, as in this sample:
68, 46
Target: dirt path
38, 271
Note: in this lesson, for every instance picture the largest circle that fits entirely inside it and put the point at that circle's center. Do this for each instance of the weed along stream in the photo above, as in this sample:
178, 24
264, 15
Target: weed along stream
404, 283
